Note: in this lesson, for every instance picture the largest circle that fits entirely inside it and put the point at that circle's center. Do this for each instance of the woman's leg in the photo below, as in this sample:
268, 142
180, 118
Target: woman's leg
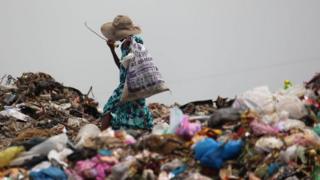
105, 121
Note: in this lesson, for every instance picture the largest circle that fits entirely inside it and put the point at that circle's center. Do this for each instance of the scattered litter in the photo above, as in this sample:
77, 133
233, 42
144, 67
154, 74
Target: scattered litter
51, 131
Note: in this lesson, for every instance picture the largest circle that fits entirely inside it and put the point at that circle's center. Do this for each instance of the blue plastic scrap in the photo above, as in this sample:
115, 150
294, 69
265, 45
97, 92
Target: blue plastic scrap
273, 168
51, 173
105, 152
212, 154
179, 170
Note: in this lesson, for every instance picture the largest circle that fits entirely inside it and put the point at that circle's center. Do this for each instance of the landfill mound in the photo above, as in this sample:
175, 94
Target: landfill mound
51, 131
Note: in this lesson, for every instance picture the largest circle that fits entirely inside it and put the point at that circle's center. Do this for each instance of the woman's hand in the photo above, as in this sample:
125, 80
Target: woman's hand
111, 43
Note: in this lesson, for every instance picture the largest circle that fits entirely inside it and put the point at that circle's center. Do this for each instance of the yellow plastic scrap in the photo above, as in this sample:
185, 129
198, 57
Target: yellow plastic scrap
287, 84
9, 154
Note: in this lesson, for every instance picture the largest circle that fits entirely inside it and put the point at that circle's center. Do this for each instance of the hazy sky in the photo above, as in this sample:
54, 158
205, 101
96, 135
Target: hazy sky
203, 48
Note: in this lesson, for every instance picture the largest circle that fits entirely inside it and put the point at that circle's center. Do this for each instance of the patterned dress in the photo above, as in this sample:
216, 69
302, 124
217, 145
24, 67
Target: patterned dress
133, 114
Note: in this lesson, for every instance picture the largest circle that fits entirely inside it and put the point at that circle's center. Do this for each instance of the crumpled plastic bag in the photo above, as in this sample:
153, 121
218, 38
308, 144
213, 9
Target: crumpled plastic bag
224, 115
176, 116
260, 128
267, 144
296, 90
306, 138
7, 155
187, 129
14, 112
212, 154
55, 142
259, 99
291, 104
60, 156
292, 153
286, 125
49, 173
87, 131
160, 128
41, 166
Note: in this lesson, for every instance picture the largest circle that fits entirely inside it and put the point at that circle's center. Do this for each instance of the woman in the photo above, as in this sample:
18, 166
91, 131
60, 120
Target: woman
134, 114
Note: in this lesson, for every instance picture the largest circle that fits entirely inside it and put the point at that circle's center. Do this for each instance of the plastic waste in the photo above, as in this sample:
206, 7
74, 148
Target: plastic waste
94, 167
87, 131
177, 171
171, 165
41, 166
60, 156
224, 115
291, 104
161, 128
9, 154
307, 137
31, 143
286, 125
259, 99
55, 142
176, 116
273, 168
260, 128
187, 129
30, 163
267, 144
296, 90
49, 174
292, 153
287, 84
14, 112
212, 154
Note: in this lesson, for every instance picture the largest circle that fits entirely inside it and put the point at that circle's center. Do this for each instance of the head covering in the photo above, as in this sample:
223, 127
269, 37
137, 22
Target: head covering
121, 27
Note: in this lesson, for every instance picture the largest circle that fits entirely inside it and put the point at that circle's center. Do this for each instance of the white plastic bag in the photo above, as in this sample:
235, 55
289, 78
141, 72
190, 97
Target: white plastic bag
14, 112
286, 125
87, 131
267, 144
292, 104
57, 142
160, 128
143, 77
259, 99
176, 116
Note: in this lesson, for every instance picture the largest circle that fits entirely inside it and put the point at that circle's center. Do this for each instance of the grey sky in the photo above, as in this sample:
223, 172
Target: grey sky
203, 48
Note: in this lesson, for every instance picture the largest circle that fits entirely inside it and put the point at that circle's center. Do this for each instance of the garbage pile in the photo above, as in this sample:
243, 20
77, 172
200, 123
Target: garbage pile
50, 131
35, 105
